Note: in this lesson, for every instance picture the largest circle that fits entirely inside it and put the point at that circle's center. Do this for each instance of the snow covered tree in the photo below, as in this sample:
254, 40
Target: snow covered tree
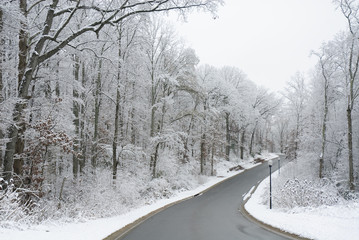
350, 11
296, 95
53, 21
327, 68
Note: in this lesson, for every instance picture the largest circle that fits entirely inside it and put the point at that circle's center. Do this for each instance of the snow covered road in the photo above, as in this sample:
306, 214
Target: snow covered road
212, 215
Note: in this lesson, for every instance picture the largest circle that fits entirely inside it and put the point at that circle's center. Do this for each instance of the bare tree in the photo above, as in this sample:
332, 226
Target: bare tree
127, 32
296, 94
327, 69
350, 10
264, 106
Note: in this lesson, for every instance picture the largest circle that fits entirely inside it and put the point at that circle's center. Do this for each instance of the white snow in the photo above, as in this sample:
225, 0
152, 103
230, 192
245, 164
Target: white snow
101, 228
322, 223
248, 194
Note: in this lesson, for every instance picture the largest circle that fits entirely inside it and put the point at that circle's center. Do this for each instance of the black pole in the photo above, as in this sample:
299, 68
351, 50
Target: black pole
270, 187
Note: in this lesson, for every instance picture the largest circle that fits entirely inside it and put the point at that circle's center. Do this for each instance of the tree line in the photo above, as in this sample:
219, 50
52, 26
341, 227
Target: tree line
89, 86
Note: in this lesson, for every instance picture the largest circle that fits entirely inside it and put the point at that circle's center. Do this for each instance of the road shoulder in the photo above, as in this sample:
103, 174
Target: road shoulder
266, 226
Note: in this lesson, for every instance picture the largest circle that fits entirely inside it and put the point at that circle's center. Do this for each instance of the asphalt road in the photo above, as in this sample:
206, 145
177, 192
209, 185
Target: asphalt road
212, 215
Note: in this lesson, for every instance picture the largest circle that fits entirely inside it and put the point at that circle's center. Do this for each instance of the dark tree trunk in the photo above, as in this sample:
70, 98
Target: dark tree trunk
252, 140
242, 143
97, 115
115, 160
324, 126
203, 152
153, 163
350, 149
1, 80
83, 135
203, 148
351, 99
76, 121
115, 137
228, 137
23, 48
296, 140
23, 51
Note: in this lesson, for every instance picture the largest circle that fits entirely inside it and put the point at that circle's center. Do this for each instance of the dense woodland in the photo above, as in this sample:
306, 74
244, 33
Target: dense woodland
103, 107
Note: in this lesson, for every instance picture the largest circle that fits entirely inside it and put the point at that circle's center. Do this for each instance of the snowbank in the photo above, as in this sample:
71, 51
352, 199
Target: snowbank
323, 223
101, 228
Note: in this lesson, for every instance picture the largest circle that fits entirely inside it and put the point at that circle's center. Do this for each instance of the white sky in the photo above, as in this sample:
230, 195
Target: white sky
270, 40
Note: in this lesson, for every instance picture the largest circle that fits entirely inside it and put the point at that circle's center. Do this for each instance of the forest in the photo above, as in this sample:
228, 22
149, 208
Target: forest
103, 107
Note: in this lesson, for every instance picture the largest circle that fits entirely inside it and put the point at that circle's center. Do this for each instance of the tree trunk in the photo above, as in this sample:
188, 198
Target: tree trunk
115, 137
153, 160
153, 163
76, 112
252, 140
242, 143
349, 11
351, 99
153, 114
23, 51
1, 80
350, 149
132, 115
228, 137
296, 139
10, 149
83, 135
203, 139
23, 38
97, 114
324, 127
203, 151
1, 55
117, 107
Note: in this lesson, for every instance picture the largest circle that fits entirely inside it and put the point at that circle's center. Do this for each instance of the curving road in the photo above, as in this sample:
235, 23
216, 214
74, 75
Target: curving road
212, 215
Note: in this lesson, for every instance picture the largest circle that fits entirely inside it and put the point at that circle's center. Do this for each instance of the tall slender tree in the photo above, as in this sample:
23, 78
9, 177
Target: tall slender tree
350, 11
327, 68
2, 43
296, 94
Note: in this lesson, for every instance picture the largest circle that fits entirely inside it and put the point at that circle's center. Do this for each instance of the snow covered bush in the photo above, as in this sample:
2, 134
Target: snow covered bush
180, 176
303, 193
17, 206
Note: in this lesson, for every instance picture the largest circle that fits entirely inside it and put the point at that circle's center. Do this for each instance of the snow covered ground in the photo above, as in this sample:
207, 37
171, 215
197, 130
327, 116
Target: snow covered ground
101, 228
322, 223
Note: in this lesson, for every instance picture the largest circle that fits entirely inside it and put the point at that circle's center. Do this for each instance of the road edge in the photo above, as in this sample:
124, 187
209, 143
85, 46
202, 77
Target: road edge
264, 225
117, 235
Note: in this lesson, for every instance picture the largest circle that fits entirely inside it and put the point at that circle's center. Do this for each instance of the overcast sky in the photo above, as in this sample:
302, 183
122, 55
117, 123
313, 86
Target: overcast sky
270, 40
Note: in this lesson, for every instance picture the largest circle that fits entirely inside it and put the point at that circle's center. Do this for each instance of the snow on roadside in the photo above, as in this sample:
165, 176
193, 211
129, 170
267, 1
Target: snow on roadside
322, 223
248, 194
101, 228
